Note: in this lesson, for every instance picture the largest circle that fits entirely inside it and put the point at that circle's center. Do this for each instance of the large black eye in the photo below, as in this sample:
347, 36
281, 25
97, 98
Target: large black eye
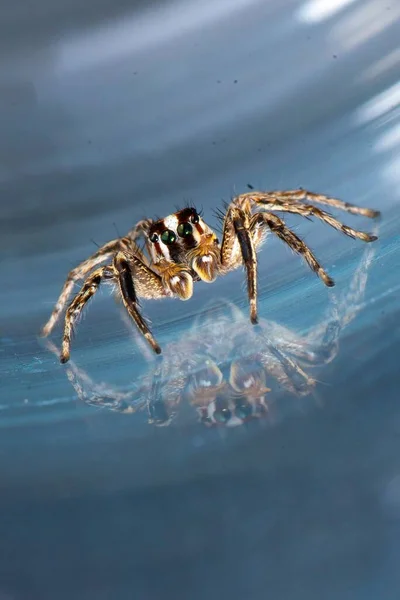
195, 217
168, 237
154, 238
222, 415
185, 229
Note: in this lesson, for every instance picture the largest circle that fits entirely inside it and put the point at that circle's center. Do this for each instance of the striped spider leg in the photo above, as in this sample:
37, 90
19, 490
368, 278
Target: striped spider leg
158, 275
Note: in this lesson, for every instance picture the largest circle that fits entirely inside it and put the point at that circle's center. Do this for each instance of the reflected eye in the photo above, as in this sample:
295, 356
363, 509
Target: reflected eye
222, 415
195, 218
154, 238
243, 409
185, 229
168, 237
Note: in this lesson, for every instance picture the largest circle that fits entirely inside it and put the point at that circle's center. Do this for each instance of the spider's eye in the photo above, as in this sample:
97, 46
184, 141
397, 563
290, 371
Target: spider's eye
222, 415
185, 229
168, 237
195, 218
243, 409
154, 238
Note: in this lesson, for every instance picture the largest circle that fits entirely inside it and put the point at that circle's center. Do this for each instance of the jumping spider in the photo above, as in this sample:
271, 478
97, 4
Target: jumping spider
228, 373
182, 249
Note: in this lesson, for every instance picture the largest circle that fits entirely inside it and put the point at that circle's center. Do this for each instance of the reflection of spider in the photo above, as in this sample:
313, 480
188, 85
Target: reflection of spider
182, 249
227, 370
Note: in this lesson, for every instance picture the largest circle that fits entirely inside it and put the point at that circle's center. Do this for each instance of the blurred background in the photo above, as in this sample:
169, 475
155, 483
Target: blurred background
115, 111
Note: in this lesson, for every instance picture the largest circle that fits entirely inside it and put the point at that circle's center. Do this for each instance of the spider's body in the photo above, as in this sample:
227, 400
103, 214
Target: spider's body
181, 249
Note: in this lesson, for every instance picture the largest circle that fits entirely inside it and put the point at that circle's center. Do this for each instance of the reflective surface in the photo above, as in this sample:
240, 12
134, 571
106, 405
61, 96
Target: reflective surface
111, 113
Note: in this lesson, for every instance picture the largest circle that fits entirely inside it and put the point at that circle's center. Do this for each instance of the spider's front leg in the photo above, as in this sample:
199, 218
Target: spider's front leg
238, 248
125, 269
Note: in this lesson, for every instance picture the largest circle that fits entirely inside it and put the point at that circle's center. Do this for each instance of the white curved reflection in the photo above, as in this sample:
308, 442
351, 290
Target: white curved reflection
138, 32
389, 139
365, 22
382, 65
380, 105
317, 11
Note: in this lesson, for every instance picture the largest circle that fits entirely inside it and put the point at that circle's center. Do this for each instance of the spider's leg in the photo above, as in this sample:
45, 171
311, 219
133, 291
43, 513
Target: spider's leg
324, 337
278, 226
289, 341
79, 272
300, 195
286, 371
96, 393
308, 210
129, 296
294, 196
140, 230
88, 289
157, 408
238, 248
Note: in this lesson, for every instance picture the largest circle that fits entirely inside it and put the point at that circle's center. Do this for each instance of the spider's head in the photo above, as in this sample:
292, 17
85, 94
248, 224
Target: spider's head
199, 243
229, 404
162, 236
230, 410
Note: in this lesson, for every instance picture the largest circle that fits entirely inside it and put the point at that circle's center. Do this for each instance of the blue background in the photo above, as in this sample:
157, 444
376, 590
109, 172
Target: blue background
113, 111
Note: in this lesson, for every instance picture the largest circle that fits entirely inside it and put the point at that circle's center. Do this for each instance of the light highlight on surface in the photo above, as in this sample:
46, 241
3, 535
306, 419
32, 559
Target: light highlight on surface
316, 11
384, 64
129, 34
364, 23
379, 105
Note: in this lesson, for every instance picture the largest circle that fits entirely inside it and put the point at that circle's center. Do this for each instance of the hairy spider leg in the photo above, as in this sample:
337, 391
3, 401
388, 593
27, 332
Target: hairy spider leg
308, 210
88, 289
104, 253
300, 195
240, 226
243, 228
127, 289
279, 228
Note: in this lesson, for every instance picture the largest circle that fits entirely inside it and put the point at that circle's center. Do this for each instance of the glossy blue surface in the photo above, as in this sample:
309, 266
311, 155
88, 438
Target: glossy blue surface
111, 113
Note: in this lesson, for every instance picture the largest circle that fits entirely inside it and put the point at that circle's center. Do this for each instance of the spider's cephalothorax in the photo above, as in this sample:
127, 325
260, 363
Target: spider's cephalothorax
184, 238
181, 249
